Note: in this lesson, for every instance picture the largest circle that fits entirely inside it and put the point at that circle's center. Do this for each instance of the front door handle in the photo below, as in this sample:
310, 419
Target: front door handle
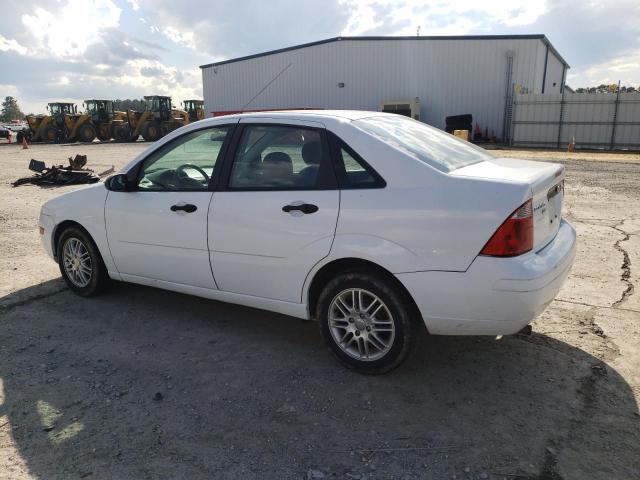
189, 208
305, 208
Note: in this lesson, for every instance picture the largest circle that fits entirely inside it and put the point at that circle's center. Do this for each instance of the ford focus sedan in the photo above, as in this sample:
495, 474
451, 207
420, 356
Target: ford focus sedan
373, 224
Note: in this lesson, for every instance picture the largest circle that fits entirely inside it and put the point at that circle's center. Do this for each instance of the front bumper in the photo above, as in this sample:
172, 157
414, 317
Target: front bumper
495, 296
46, 224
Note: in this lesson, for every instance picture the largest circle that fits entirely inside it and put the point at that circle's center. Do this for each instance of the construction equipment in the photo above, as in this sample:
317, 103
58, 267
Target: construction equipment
104, 119
51, 127
195, 109
154, 122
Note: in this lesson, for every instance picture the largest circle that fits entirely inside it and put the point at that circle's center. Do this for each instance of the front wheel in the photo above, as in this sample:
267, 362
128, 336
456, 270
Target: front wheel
80, 263
366, 322
151, 131
86, 133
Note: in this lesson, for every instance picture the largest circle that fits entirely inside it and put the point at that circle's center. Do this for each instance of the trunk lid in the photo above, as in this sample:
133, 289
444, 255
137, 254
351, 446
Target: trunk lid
546, 184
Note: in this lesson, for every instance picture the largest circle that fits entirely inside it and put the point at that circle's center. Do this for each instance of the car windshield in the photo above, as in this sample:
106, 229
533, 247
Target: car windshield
428, 144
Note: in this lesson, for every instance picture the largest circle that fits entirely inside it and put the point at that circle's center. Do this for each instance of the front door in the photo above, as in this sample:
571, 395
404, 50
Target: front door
277, 216
159, 230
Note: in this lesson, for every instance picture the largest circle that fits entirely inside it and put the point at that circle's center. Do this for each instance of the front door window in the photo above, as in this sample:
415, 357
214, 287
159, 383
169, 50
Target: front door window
186, 164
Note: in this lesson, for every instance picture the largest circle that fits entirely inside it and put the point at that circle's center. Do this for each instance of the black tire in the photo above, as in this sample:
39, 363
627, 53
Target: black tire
50, 134
104, 133
104, 138
86, 133
151, 131
122, 133
399, 311
98, 272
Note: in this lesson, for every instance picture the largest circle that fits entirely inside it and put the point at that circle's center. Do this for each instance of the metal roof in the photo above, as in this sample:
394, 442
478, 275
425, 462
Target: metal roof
537, 36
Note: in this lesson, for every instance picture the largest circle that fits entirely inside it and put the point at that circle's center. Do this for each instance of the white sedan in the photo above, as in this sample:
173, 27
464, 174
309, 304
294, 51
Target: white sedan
374, 224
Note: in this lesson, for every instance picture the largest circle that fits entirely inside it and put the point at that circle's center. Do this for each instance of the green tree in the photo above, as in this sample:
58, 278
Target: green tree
613, 88
10, 110
127, 104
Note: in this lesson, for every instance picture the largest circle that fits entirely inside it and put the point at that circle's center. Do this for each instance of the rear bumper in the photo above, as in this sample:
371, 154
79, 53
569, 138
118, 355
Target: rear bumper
495, 296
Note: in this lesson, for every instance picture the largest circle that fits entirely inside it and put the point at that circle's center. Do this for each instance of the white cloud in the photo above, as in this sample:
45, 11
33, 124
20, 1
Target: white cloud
155, 77
625, 68
135, 6
398, 17
186, 39
73, 27
8, 91
9, 44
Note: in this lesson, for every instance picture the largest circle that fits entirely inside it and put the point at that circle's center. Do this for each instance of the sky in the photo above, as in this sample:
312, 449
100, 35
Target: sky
70, 50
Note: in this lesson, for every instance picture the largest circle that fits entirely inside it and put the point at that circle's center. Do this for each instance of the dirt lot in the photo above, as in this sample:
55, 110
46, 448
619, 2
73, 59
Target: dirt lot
142, 383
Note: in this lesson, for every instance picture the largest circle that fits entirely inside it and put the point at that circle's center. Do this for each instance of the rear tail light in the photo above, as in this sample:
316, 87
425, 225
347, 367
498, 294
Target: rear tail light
514, 236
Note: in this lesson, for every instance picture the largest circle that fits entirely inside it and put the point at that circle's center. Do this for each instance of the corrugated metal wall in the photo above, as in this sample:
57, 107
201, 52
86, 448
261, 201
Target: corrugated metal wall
602, 120
450, 77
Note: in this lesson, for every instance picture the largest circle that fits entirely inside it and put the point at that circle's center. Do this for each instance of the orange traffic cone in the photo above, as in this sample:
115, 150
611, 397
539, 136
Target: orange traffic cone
25, 145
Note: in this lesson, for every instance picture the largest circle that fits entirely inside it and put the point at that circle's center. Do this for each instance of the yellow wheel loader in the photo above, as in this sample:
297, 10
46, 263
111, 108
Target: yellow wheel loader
104, 119
153, 123
195, 109
52, 127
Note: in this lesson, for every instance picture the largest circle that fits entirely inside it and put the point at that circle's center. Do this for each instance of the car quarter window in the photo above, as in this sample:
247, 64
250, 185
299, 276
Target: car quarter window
279, 157
352, 171
185, 164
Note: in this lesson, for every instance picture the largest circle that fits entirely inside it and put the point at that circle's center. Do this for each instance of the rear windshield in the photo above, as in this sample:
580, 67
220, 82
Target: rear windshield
428, 144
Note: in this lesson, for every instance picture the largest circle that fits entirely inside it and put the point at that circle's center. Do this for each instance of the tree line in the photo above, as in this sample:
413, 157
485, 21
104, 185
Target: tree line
126, 104
611, 88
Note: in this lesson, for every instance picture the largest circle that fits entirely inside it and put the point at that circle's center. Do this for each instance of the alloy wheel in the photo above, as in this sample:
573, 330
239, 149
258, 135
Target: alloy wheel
361, 324
77, 262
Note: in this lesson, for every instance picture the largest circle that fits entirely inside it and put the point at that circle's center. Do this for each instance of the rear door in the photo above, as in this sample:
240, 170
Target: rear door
275, 215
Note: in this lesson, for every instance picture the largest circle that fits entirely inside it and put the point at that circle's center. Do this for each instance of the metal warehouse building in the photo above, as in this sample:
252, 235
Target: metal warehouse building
441, 76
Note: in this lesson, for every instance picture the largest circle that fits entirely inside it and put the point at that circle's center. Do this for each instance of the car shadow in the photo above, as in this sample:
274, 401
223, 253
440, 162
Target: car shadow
144, 383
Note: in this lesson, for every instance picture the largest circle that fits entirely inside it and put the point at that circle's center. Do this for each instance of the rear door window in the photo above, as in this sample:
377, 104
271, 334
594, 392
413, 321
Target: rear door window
279, 157
352, 170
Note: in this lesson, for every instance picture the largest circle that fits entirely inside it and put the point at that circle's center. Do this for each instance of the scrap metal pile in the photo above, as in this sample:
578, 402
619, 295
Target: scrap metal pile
73, 174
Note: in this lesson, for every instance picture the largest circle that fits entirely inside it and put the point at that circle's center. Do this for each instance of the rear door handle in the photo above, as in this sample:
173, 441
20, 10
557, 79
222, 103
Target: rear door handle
305, 208
189, 208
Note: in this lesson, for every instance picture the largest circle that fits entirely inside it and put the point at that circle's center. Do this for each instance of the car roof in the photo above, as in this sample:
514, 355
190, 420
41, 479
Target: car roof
309, 115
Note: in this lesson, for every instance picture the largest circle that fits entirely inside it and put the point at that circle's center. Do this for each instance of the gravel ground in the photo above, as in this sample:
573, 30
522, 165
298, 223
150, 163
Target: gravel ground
142, 383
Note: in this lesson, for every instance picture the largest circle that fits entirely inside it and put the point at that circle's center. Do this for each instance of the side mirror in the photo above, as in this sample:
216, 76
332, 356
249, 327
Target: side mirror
118, 183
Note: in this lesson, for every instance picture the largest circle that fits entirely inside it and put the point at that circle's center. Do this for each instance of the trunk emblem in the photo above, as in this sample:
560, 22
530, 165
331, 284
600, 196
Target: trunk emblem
540, 207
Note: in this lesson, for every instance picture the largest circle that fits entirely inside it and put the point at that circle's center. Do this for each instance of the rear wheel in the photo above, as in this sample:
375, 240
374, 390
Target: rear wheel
151, 131
86, 133
366, 322
80, 262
